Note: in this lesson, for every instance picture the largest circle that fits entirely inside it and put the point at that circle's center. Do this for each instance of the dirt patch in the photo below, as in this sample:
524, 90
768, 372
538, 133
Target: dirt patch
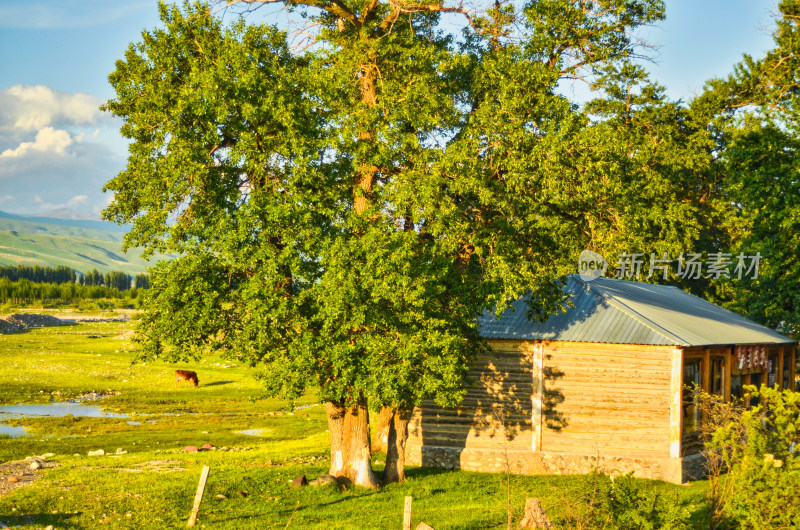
93, 396
22, 472
94, 319
156, 466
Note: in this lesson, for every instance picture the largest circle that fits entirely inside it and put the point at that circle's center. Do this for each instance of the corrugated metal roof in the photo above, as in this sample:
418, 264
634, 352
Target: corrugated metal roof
627, 312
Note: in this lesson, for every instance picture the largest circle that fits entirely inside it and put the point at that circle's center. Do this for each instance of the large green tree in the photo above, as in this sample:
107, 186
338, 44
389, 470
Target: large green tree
342, 214
755, 118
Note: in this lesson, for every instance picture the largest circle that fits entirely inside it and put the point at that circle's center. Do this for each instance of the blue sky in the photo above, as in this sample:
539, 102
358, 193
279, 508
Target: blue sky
57, 149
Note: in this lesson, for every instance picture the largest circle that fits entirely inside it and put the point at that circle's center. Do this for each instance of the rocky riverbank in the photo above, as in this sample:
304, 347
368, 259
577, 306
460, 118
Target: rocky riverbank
22, 321
19, 322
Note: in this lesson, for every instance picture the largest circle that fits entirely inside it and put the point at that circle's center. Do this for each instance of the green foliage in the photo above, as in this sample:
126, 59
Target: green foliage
767, 495
759, 450
755, 120
342, 215
25, 292
624, 503
761, 160
39, 274
118, 280
141, 281
639, 164
64, 275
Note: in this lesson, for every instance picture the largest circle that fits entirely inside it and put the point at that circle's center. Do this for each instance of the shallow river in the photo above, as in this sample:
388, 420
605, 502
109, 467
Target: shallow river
10, 412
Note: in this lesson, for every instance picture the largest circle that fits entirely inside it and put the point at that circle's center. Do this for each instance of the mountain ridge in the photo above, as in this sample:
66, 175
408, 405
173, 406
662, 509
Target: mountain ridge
97, 224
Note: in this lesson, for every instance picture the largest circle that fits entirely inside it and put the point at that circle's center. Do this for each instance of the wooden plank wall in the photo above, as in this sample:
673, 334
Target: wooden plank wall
494, 415
610, 400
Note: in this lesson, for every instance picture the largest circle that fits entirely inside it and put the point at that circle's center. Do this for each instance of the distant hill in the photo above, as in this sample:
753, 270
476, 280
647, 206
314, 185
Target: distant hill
60, 220
77, 243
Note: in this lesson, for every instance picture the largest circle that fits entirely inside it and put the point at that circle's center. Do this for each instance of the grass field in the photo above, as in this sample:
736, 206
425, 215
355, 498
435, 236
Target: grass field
152, 485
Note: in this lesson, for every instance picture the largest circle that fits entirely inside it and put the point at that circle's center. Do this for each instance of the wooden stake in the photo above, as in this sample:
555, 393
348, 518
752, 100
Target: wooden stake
535, 516
198, 497
407, 514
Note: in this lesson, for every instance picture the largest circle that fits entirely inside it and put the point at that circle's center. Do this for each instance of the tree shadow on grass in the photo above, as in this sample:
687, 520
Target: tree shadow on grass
217, 383
424, 472
42, 520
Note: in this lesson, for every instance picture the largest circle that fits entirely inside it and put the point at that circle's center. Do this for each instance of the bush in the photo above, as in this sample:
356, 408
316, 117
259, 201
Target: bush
624, 503
758, 449
767, 495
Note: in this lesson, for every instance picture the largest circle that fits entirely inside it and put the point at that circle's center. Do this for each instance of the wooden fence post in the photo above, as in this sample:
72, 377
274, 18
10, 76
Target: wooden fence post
407, 514
198, 497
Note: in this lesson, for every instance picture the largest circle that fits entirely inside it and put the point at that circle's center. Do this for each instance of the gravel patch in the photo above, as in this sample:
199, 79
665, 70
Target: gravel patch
22, 321
19, 322
22, 473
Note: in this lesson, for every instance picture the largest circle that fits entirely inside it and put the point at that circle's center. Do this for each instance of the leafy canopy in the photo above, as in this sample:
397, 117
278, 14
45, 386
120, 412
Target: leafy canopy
341, 216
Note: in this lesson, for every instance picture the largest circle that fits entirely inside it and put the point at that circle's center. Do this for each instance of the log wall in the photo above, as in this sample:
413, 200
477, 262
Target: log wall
613, 400
601, 406
495, 413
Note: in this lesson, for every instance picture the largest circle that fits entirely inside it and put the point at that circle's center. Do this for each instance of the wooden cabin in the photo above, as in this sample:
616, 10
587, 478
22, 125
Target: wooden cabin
602, 386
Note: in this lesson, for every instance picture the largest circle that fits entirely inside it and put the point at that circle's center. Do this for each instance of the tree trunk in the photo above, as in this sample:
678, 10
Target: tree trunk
336, 413
350, 447
395, 470
380, 439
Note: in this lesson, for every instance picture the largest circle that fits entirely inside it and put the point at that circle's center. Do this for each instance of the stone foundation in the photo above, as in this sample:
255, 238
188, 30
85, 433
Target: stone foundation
675, 470
694, 467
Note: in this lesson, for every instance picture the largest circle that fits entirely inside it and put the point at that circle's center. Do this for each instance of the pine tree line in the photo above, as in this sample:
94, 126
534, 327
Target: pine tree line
65, 275
37, 274
25, 291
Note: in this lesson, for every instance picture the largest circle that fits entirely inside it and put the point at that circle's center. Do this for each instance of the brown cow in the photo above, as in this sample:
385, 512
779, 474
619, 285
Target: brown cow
186, 375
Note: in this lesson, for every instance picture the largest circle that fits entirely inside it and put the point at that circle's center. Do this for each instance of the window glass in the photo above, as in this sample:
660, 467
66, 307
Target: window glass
691, 380
787, 369
717, 376
756, 380
772, 370
736, 386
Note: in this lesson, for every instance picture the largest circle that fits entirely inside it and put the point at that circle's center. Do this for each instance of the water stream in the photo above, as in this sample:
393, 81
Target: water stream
10, 412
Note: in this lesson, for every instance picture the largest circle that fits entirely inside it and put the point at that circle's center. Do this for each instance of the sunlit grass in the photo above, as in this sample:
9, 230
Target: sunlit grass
152, 484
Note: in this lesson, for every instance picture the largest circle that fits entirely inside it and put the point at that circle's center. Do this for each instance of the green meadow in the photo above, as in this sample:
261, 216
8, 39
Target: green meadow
260, 446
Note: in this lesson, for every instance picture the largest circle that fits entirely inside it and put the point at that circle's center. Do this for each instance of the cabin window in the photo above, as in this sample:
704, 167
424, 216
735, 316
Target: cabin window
691, 380
772, 371
756, 380
717, 377
787, 369
736, 386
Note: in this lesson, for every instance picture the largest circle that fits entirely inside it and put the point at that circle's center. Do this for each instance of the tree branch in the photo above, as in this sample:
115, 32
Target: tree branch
335, 7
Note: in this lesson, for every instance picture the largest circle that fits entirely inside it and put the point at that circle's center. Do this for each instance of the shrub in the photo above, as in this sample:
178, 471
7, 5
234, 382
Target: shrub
624, 503
757, 448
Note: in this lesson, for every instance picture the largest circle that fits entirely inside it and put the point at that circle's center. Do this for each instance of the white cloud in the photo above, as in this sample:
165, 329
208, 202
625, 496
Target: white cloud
7, 198
77, 200
47, 140
31, 108
42, 181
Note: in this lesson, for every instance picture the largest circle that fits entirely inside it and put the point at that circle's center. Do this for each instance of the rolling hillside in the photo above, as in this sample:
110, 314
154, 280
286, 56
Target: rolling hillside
81, 245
